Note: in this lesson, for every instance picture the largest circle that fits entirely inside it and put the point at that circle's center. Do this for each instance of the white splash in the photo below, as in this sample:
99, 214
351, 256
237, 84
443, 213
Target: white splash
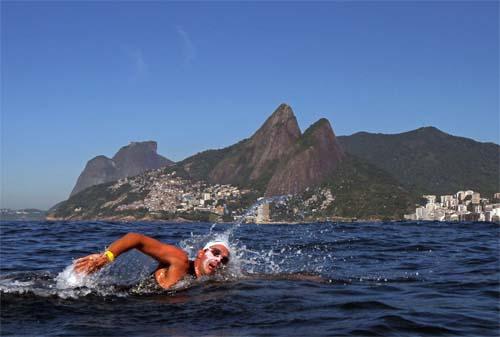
69, 278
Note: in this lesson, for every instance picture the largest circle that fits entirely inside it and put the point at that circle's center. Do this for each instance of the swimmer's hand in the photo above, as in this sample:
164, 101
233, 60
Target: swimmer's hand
90, 264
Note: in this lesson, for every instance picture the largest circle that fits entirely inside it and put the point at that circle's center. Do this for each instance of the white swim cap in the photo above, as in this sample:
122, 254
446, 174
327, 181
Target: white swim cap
217, 242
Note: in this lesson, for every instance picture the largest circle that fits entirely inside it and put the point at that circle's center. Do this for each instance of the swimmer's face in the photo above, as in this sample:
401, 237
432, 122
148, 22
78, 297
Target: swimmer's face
213, 258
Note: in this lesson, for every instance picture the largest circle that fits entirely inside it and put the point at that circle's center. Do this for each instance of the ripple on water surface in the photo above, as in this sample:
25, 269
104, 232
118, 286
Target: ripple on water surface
433, 279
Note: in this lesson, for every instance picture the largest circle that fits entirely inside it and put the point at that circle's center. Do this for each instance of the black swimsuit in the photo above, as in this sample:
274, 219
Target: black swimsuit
150, 286
147, 286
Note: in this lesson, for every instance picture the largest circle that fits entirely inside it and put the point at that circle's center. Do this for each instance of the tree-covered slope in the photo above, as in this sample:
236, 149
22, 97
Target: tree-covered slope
429, 161
362, 190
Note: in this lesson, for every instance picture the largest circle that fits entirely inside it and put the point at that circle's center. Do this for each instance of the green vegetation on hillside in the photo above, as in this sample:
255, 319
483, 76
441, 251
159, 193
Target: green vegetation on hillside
363, 191
359, 191
428, 161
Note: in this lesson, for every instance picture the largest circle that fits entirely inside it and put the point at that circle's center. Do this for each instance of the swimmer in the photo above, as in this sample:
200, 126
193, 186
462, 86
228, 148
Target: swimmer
174, 264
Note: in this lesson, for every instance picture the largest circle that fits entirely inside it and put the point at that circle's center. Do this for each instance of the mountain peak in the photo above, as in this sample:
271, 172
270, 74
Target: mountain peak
276, 136
316, 155
426, 132
432, 129
279, 159
99, 158
282, 115
257, 155
321, 124
146, 146
284, 109
279, 130
130, 160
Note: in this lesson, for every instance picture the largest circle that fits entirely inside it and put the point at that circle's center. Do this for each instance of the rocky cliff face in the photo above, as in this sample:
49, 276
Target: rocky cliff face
274, 140
315, 157
254, 158
277, 159
138, 157
98, 170
130, 160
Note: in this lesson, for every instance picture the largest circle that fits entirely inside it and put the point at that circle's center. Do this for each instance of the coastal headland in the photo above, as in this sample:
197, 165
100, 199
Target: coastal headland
317, 176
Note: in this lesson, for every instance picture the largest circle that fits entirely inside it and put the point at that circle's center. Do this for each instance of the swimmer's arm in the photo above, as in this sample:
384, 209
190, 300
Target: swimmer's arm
163, 253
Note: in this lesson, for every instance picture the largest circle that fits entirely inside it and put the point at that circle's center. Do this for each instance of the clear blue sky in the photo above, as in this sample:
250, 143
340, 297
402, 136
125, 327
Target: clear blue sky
80, 79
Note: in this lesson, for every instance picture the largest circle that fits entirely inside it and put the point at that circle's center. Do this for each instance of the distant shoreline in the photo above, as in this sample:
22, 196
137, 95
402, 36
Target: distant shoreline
181, 221
184, 221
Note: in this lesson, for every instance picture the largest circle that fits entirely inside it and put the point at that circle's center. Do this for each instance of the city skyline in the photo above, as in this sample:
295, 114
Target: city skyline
84, 79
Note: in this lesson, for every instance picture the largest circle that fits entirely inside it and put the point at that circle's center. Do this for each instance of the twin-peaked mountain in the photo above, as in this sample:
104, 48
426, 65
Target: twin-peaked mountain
130, 160
276, 160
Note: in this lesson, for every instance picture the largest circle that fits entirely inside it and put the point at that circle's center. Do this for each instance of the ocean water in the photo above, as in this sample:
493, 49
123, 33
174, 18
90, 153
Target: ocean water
318, 279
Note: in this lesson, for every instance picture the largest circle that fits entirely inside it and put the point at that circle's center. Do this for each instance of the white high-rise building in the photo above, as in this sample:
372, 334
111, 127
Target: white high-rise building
263, 213
430, 198
439, 215
421, 213
430, 206
446, 200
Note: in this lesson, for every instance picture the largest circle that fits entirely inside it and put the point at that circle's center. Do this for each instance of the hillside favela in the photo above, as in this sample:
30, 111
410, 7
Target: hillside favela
290, 176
